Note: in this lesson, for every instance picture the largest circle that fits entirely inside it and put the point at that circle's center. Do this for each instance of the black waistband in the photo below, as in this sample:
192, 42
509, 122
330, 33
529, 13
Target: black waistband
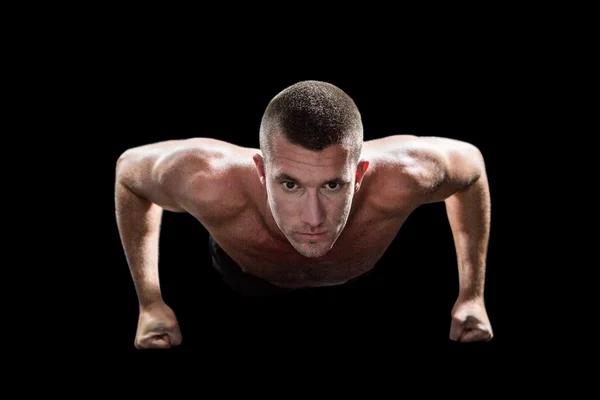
250, 285
238, 280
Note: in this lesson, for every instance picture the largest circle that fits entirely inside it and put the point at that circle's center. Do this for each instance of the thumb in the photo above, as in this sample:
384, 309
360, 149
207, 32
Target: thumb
456, 329
175, 337
161, 342
475, 335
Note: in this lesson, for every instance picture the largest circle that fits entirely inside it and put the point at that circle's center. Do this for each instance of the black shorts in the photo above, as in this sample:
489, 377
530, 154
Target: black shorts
238, 280
250, 285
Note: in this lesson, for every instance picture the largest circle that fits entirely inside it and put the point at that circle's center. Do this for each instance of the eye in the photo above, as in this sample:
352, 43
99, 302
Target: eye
286, 185
291, 186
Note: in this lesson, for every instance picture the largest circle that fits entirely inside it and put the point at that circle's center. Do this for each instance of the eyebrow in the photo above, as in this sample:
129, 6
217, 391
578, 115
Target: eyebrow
285, 177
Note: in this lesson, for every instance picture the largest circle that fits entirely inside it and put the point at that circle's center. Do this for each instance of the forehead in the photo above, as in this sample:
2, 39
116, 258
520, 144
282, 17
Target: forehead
287, 157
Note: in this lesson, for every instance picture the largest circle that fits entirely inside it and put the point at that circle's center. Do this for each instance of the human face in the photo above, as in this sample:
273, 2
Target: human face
310, 192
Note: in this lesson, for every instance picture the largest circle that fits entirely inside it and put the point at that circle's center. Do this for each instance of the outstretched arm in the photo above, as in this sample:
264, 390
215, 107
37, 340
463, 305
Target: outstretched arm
141, 194
150, 179
469, 213
138, 221
456, 174
465, 190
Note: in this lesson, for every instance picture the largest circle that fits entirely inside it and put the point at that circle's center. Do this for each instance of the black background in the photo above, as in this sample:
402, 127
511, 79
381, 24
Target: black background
134, 85
408, 300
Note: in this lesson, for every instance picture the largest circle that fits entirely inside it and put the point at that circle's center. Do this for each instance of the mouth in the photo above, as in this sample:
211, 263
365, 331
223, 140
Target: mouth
312, 236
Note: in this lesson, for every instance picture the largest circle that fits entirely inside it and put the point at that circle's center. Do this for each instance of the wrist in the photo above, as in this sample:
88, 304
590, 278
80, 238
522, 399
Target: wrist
150, 298
466, 295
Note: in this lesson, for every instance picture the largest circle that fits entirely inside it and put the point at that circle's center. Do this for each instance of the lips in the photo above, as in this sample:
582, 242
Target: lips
313, 236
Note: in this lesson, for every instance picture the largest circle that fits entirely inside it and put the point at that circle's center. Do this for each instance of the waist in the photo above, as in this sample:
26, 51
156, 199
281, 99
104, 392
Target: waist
299, 277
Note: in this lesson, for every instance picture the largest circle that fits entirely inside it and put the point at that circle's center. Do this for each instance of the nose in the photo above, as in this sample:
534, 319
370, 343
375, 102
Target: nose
313, 213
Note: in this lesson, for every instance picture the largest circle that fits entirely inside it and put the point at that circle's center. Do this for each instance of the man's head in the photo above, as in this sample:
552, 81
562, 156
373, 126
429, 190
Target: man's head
311, 139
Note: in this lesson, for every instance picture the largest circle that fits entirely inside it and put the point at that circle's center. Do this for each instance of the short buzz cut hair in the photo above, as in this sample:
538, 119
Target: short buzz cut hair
314, 115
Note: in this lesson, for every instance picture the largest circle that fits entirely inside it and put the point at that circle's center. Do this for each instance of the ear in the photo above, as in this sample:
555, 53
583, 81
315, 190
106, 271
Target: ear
361, 169
260, 167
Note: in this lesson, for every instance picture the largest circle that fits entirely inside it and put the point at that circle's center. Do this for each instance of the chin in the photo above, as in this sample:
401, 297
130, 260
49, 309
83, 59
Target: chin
312, 251
311, 254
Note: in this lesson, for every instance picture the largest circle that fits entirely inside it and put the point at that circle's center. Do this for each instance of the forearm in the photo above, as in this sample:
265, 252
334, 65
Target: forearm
138, 221
469, 214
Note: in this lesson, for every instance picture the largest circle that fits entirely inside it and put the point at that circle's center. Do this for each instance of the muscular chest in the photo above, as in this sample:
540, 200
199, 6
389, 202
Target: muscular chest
252, 239
258, 252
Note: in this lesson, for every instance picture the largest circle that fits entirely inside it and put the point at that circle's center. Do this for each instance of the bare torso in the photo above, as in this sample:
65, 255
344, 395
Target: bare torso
242, 224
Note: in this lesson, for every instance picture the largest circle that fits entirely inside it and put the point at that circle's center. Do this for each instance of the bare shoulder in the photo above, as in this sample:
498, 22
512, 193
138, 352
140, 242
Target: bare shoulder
200, 172
189, 159
410, 164
416, 168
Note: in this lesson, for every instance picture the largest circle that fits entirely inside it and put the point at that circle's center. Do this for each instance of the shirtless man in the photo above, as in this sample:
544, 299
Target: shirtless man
315, 206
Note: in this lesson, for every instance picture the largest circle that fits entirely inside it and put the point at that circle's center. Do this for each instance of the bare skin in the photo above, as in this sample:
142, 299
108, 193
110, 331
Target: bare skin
258, 216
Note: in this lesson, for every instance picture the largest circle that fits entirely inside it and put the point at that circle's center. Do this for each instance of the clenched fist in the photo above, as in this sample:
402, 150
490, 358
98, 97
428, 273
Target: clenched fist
470, 322
157, 327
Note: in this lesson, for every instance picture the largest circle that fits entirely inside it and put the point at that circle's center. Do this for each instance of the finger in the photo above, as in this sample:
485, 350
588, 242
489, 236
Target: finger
155, 341
170, 328
175, 337
456, 329
160, 342
475, 335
